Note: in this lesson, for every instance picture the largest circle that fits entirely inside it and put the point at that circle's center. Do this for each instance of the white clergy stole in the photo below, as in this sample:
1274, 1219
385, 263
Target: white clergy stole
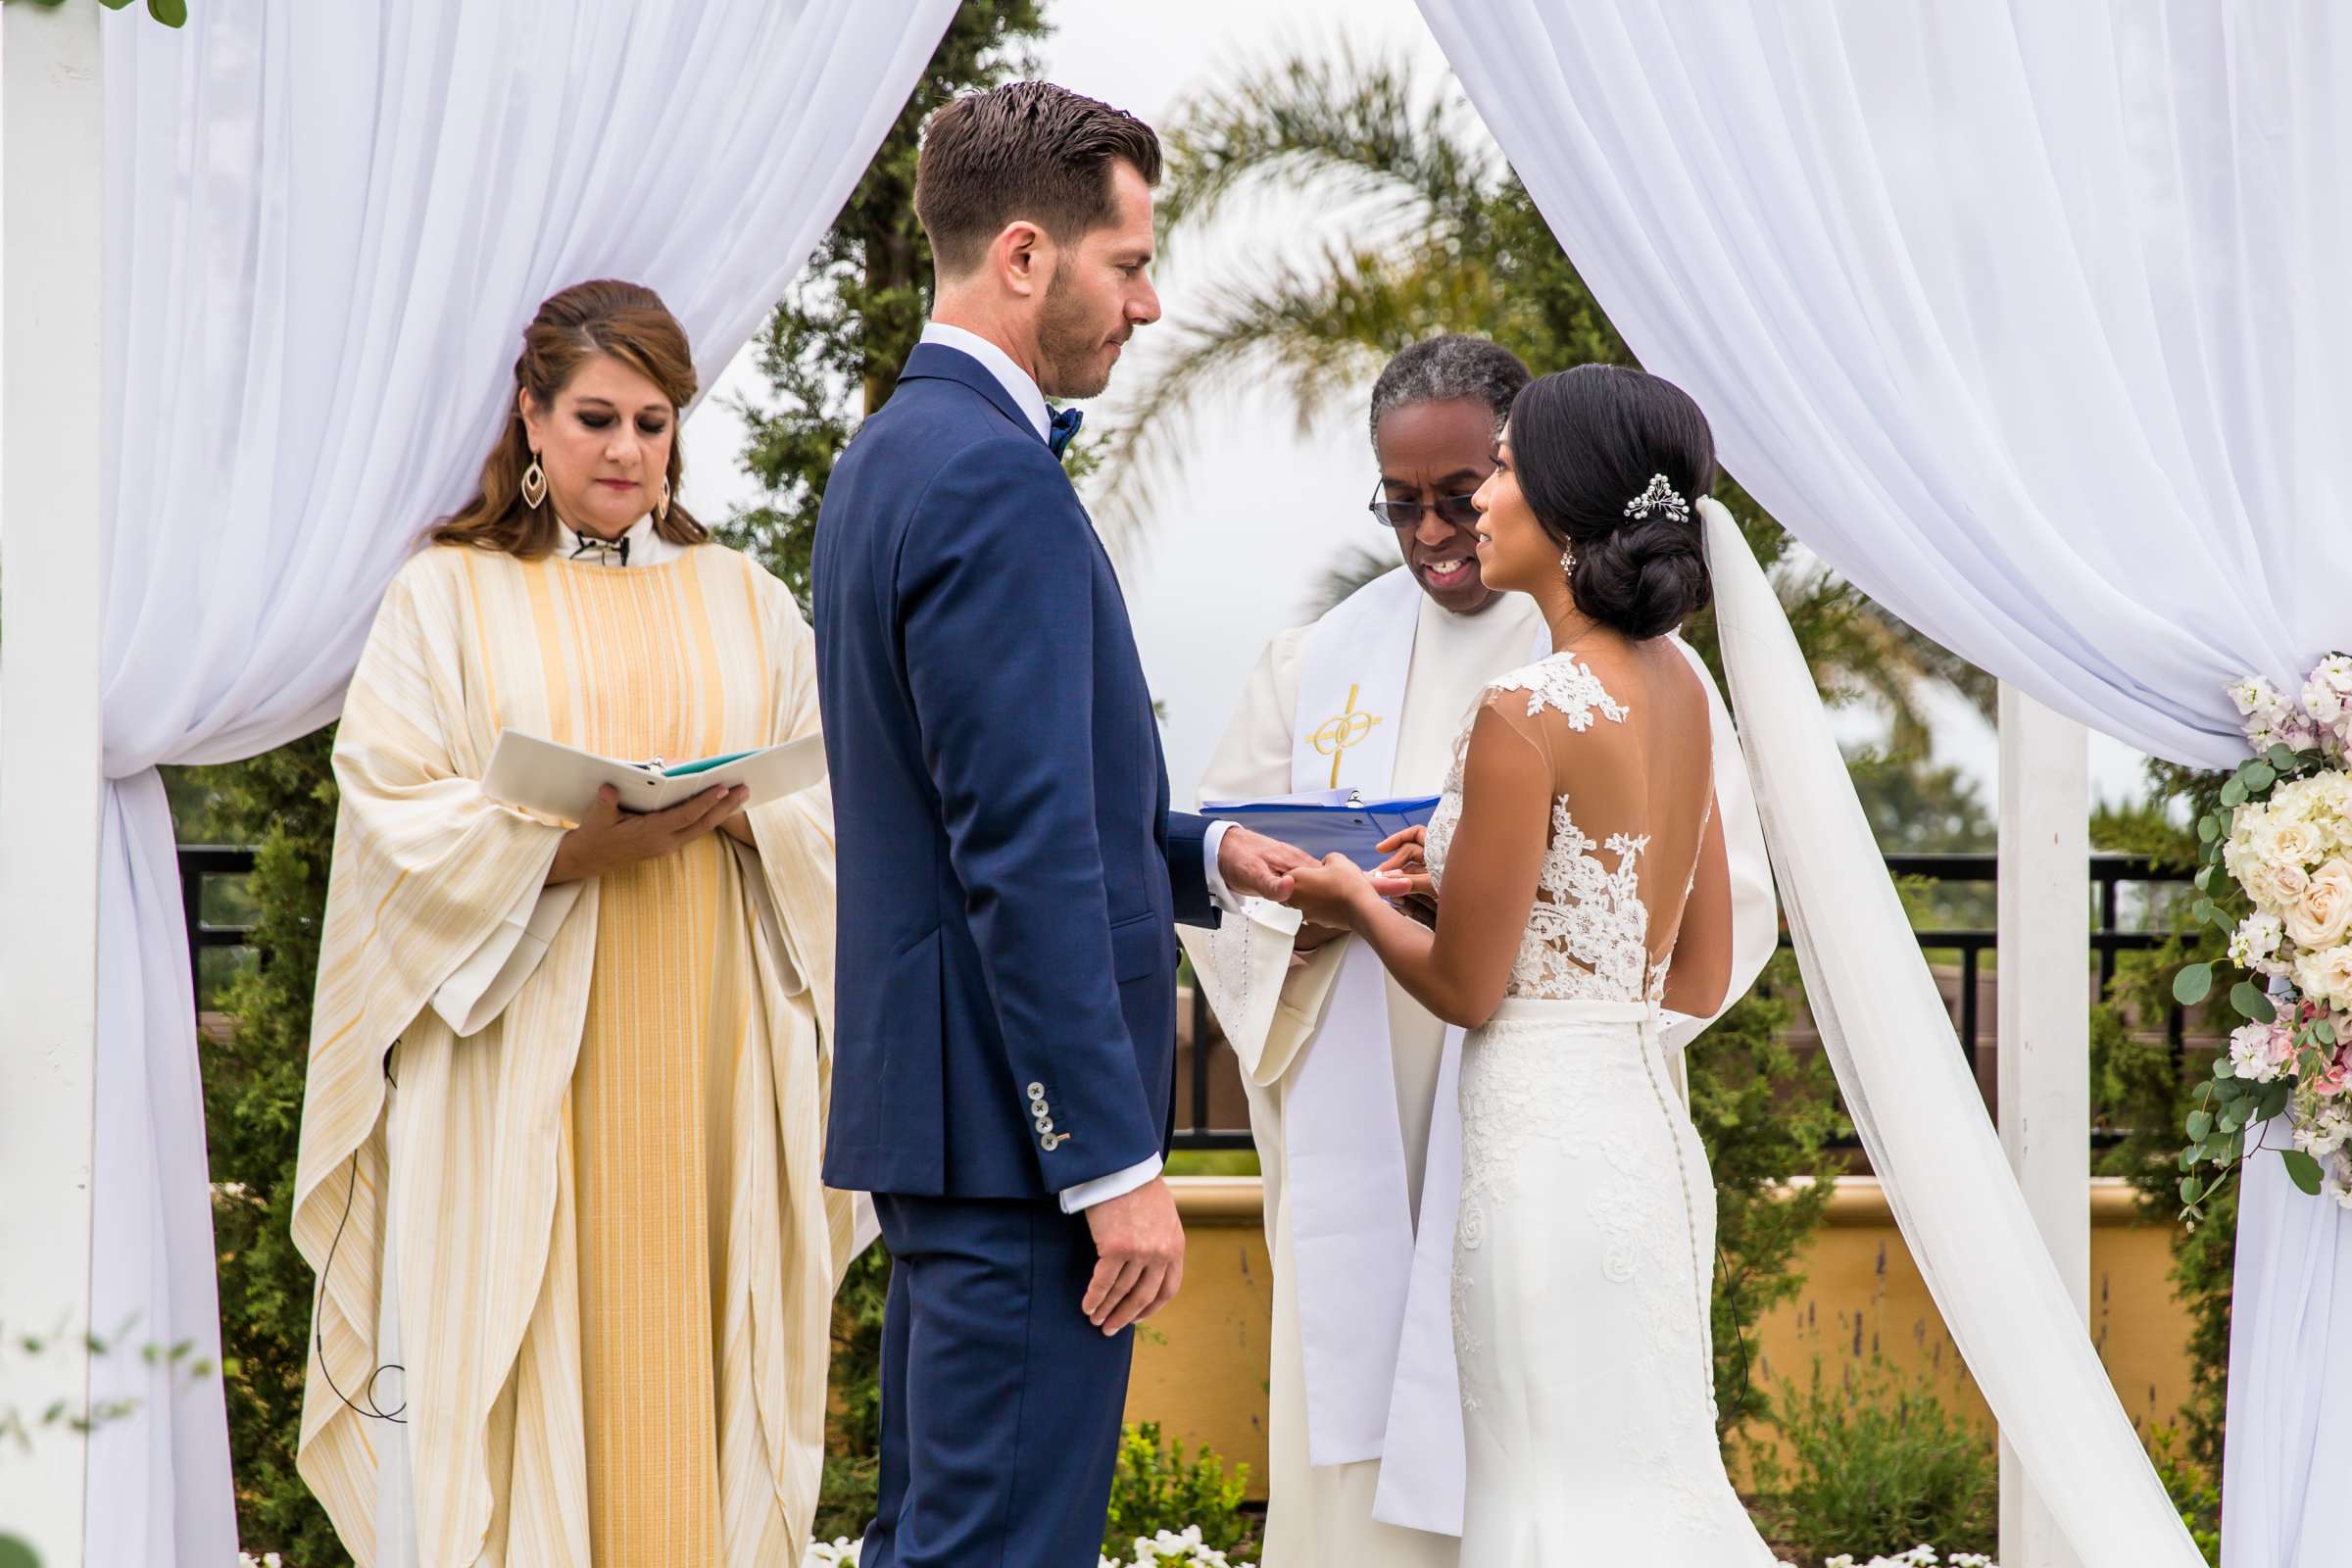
1374, 1302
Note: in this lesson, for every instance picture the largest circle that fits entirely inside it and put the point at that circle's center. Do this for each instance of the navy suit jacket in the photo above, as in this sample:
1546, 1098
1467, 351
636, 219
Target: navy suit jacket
1010, 870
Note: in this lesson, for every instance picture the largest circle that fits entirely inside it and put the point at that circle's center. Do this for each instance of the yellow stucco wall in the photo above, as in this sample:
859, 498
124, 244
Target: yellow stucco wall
1201, 1365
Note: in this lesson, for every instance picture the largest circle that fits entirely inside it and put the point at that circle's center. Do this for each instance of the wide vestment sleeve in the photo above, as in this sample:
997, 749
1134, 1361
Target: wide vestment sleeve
1266, 1008
425, 870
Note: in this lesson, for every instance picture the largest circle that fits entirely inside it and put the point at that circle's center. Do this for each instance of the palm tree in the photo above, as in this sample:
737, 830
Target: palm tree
1441, 238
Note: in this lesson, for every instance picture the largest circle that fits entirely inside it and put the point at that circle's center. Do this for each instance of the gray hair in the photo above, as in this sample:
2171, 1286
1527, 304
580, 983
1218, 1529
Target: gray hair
1452, 367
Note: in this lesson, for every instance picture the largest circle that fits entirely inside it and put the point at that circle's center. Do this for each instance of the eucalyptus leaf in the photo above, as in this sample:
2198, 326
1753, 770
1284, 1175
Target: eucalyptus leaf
2324, 1031
2247, 997
2274, 1100
2233, 794
2200, 1123
2191, 1189
2259, 776
2209, 828
2234, 1116
2192, 985
2281, 756
171, 13
2302, 1170
2188, 1157
113, 5
2226, 1090
2222, 1070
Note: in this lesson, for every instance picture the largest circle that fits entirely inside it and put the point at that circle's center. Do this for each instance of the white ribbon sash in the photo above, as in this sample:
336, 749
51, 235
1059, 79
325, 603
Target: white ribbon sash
1375, 1311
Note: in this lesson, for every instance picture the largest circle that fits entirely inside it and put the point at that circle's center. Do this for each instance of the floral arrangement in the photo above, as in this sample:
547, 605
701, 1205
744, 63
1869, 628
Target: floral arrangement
1917, 1557
1168, 1547
2277, 877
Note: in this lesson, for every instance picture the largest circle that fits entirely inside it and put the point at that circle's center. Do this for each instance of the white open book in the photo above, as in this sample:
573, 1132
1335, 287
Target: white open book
538, 775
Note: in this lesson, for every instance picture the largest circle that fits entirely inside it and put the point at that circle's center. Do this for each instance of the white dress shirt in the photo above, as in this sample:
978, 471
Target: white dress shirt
1024, 392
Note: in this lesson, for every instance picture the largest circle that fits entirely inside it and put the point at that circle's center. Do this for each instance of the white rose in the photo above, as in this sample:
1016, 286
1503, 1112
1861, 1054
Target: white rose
2327, 976
2277, 886
2323, 914
2298, 840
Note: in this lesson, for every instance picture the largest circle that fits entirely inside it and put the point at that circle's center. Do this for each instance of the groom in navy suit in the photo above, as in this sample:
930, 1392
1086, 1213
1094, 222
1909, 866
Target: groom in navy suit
1010, 870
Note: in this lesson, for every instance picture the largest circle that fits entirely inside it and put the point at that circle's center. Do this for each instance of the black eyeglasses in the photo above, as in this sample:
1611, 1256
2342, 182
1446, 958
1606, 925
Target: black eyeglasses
1456, 509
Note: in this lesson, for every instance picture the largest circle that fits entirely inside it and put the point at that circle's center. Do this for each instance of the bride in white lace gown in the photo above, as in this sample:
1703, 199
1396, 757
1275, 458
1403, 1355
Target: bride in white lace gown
1580, 886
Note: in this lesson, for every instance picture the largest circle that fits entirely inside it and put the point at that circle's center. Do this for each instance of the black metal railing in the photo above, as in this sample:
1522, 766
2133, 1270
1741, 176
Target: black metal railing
1209, 1064
1210, 1077
198, 863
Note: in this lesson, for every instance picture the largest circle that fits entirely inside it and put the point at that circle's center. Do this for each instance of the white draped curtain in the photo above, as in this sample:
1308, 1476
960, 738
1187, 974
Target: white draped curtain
2031, 319
325, 228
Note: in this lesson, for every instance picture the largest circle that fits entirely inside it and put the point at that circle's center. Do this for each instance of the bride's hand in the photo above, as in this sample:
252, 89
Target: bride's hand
1407, 858
1338, 893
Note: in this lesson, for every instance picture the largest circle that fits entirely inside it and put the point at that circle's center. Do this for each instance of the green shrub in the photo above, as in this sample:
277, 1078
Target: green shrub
284, 803
1877, 1463
854, 1419
1765, 1114
2192, 1489
1155, 1489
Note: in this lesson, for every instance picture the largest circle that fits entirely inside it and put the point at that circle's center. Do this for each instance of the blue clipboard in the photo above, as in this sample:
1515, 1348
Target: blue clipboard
1329, 821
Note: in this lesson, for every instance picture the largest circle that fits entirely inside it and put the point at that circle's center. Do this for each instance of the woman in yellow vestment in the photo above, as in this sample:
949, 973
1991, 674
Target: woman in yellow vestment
568, 1083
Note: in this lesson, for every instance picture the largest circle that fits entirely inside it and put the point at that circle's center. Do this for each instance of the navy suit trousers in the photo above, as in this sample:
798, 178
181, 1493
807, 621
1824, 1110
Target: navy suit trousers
1001, 1402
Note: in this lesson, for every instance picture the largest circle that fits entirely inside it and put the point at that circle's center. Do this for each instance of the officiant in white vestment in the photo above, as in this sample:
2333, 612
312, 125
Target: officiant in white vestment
1351, 1084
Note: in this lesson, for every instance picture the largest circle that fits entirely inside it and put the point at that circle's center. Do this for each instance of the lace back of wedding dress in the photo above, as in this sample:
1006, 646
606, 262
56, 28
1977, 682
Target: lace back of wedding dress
1630, 787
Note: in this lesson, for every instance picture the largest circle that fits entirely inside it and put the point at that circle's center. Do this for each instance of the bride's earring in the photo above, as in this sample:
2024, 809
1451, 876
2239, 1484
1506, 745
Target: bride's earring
534, 484
662, 506
1567, 563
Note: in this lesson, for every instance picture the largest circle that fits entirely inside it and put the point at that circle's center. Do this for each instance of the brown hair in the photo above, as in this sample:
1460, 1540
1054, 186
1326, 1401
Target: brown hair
626, 322
1027, 150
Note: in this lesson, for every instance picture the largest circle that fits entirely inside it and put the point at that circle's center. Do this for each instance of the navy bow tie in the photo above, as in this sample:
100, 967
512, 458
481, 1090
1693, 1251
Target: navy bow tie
1065, 425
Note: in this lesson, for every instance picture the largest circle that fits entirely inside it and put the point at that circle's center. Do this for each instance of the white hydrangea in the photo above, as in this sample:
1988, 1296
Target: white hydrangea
2260, 1052
2255, 943
1169, 1547
2325, 1132
2328, 694
2259, 704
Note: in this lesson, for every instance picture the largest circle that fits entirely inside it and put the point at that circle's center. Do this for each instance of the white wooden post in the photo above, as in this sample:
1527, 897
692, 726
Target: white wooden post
2044, 1040
50, 779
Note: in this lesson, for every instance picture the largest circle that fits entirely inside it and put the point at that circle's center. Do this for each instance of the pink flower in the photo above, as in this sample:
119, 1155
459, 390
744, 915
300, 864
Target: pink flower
2332, 1082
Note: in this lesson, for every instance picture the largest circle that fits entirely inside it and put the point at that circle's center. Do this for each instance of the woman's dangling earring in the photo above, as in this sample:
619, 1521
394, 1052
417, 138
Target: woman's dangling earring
662, 506
534, 484
1567, 563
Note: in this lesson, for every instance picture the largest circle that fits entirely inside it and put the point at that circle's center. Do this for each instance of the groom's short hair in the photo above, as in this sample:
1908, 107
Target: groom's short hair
1025, 150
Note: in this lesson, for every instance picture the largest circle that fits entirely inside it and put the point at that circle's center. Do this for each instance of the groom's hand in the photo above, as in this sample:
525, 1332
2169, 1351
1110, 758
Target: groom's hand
1138, 1242
1255, 866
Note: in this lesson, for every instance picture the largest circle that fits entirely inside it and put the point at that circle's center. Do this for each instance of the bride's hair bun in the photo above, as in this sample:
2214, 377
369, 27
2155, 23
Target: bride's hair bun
1588, 446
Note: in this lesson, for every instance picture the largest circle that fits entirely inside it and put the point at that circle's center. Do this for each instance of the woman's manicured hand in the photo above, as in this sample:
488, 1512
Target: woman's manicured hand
612, 838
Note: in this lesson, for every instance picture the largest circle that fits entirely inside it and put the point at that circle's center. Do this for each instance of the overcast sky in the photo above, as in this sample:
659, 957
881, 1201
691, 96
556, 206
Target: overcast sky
1237, 539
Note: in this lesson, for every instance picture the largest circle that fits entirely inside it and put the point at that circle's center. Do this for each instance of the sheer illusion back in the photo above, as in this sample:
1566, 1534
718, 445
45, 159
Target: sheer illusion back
1618, 773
